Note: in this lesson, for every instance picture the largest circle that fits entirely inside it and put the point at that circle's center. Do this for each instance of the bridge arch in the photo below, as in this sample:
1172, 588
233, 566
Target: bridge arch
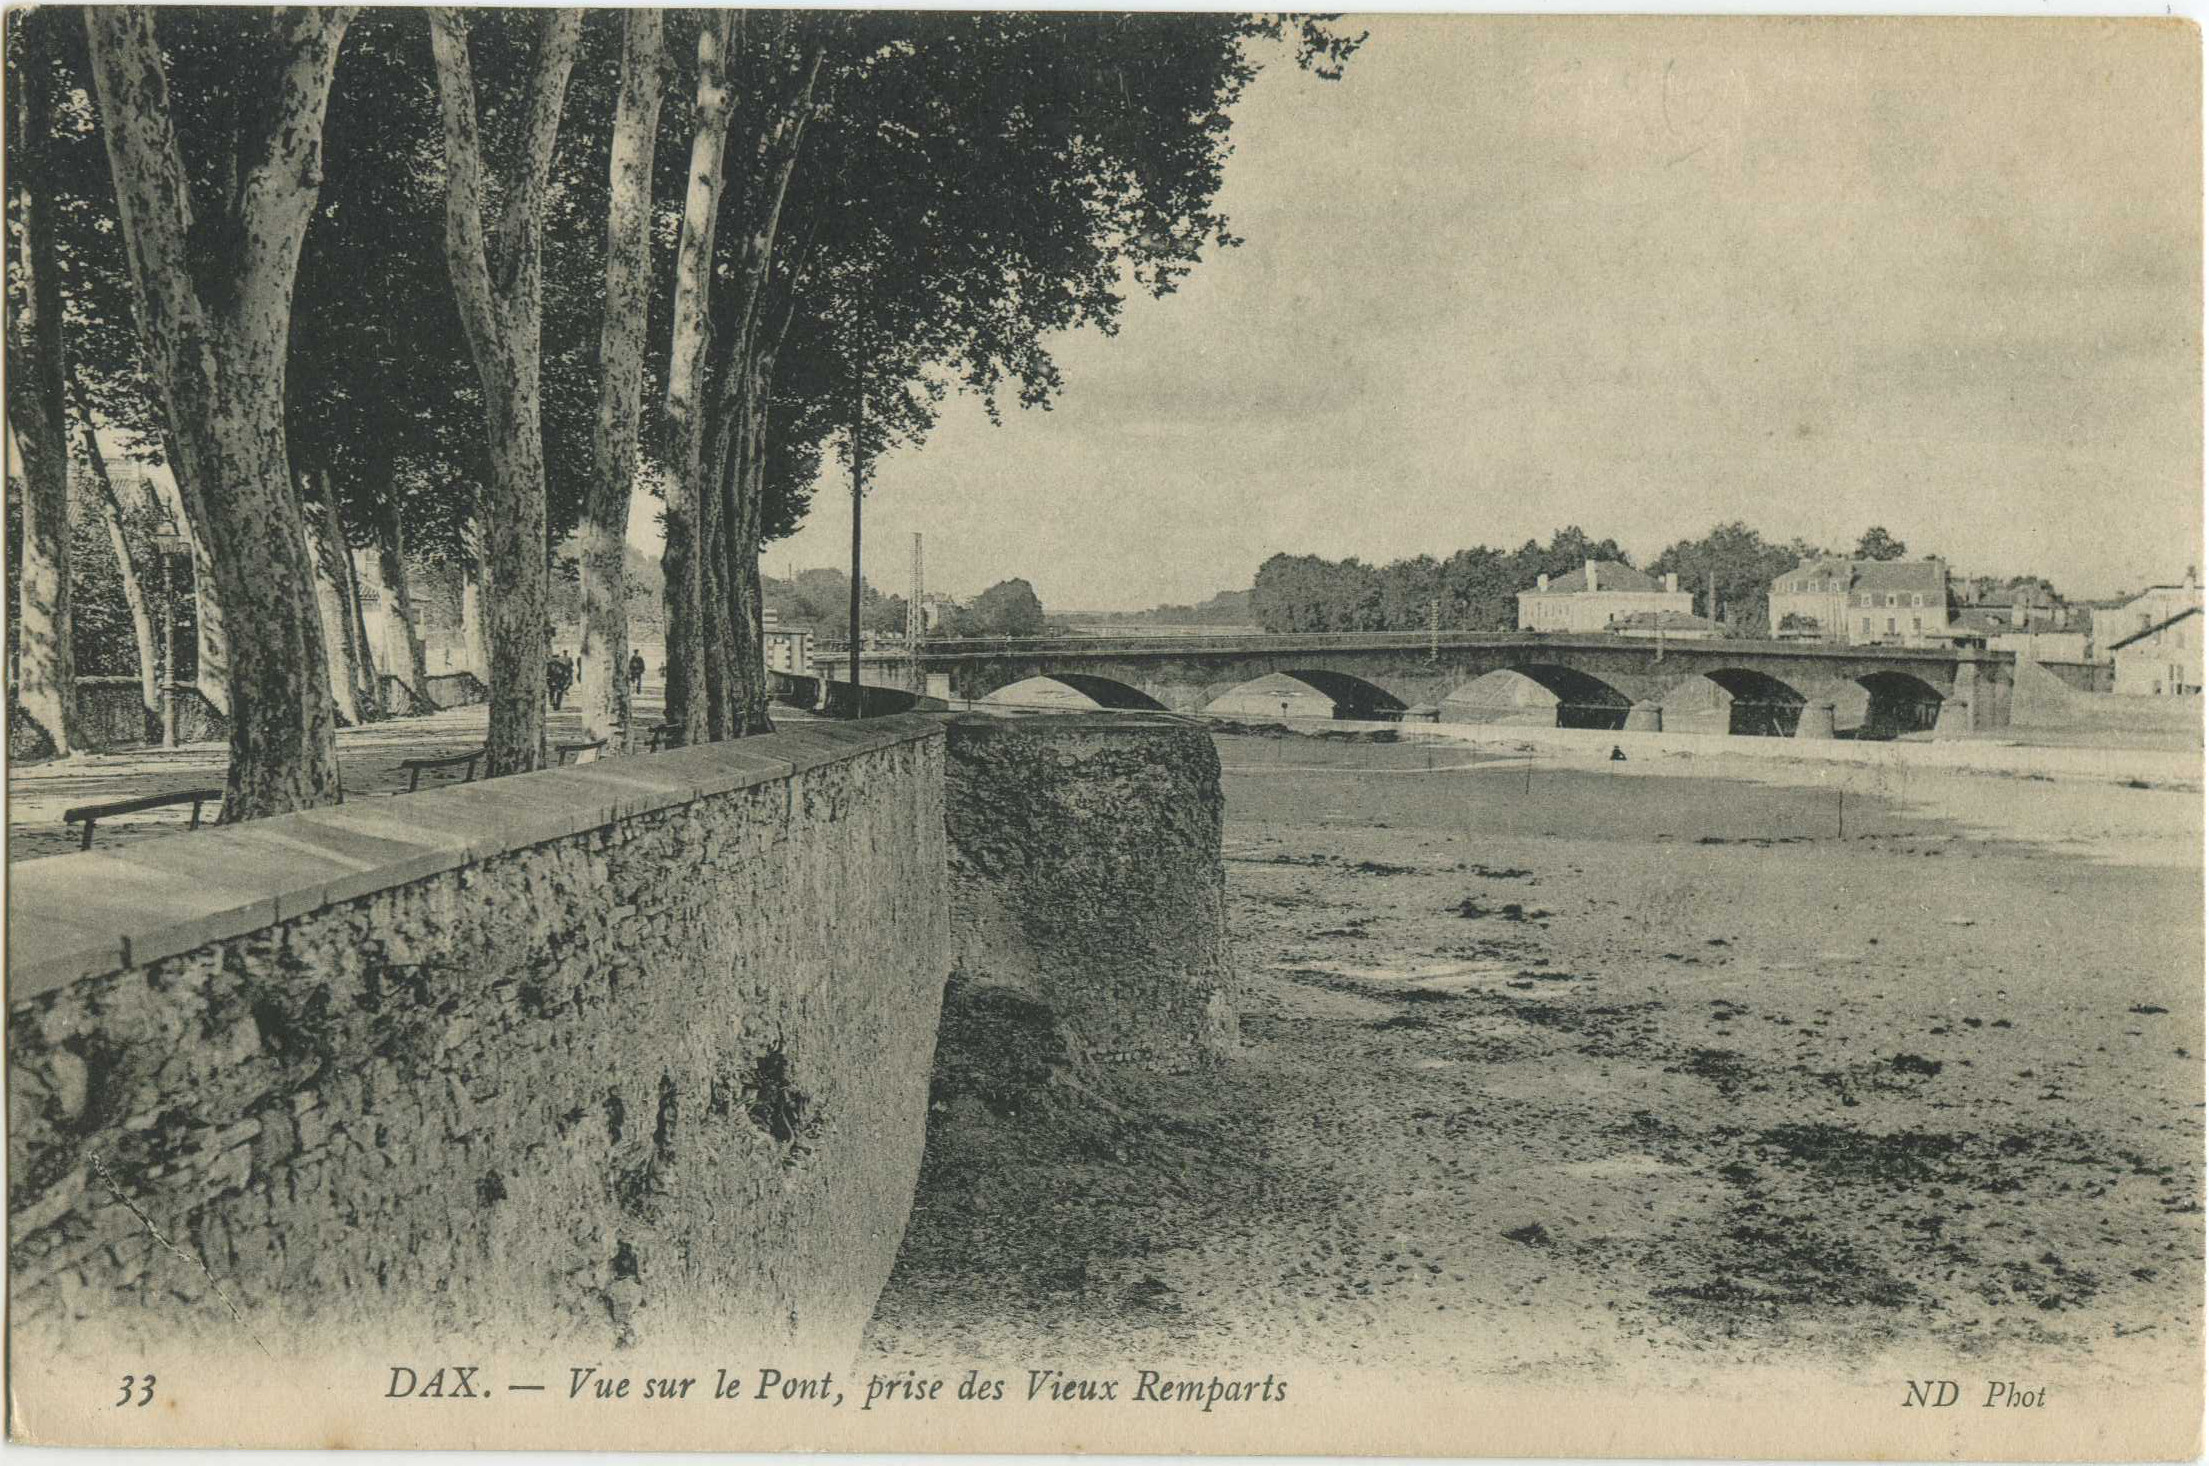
1299, 692
1538, 693
1070, 691
1899, 703
1759, 705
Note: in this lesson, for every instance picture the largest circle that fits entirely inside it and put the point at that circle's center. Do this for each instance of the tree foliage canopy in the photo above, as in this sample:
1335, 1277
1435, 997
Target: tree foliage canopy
1877, 544
1473, 589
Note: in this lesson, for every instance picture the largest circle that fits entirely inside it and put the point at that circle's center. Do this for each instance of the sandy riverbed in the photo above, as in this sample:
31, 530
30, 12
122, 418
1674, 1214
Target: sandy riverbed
1571, 1073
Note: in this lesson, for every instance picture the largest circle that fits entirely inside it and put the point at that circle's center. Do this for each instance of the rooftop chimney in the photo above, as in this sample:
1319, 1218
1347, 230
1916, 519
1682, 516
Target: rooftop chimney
1671, 581
1591, 575
1542, 582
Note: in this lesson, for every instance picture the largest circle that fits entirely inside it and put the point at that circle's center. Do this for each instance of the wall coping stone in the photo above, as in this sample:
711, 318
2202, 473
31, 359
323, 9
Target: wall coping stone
815, 744
96, 912
1106, 721
721, 768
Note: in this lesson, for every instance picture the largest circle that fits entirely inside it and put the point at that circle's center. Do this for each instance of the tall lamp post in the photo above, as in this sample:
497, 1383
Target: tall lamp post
858, 496
858, 472
169, 545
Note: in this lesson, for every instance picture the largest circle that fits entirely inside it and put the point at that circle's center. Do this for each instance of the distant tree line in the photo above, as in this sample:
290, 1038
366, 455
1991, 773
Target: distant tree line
1227, 608
822, 599
1477, 588
1729, 571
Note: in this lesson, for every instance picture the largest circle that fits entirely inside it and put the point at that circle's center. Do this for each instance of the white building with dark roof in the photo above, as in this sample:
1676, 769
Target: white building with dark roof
1860, 602
2161, 660
2119, 621
1602, 592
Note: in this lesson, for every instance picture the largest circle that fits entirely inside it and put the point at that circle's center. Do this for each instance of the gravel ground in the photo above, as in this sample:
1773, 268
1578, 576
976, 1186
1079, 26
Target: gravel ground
1567, 1073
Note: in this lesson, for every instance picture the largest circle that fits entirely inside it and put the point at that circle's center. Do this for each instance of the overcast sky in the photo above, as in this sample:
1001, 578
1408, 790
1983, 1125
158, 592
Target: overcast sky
1642, 276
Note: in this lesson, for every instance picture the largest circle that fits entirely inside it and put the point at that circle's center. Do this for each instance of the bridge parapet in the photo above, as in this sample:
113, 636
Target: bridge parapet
1397, 641
1594, 676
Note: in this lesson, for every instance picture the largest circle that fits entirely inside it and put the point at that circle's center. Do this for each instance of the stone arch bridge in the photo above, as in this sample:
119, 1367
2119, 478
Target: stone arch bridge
1598, 681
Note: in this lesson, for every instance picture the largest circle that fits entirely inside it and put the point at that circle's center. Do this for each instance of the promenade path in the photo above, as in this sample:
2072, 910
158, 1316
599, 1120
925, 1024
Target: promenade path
369, 758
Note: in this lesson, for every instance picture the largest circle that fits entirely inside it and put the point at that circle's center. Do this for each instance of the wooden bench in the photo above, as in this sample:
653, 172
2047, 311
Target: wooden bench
415, 766
564, 753
89, 815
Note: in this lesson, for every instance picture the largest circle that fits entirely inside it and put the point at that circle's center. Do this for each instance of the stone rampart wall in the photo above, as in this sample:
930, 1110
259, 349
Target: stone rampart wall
1086, 876
111, 714
624, 1054
457, 689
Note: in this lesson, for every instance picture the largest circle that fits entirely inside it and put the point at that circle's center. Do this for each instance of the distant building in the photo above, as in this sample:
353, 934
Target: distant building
1811, 601
1603, 592
1976, 629
934, 606
2101, 626
2041, 646
1667, 626
2032, 630
1863, 602
2119, 621
2163, 660
2025, 607
785, 648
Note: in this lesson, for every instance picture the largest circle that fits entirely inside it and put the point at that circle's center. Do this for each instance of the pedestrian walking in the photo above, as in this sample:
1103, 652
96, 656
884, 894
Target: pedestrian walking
636, 671
558, 670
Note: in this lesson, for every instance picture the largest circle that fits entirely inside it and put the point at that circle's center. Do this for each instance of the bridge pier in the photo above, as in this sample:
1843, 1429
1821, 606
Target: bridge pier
1959, 710
1181, 697
1816, 720
1645, 717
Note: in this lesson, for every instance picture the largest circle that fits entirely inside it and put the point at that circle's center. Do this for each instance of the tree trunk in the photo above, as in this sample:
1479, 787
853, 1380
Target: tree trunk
210, 643
739, 573
46, 670
498, 281
713, 624
126, 567
517, 630
473, 590
210, 634
210, 628
360, 666
682, 424
329, 577
375, 630
743, 400
604, 531
403, 651
214, 294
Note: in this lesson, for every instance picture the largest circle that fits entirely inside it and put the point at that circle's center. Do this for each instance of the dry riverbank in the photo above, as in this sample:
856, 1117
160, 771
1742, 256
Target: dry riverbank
1564, 1075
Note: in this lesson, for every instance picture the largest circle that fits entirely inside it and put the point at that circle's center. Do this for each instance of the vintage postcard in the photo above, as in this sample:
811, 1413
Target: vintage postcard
1122, 731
